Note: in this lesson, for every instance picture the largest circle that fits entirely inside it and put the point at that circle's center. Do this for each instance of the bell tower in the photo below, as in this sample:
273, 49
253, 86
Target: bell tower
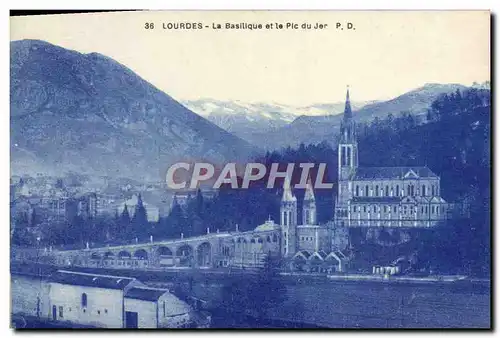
309, 206
347, 160
288, 215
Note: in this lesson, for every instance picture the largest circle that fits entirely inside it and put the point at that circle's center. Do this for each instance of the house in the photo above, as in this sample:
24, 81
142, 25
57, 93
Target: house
88, 299
147, 307
114, 302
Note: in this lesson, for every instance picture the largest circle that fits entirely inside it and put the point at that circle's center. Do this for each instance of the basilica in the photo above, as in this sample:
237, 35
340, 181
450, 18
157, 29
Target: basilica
401, 197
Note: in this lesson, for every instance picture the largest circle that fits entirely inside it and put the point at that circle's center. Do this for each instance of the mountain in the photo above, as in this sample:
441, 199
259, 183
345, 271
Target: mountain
246, 120
89, 114
315, 129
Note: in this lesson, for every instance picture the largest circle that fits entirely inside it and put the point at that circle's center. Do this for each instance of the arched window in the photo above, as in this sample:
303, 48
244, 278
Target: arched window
84, 300
275, 238
397, 190
408, 191
386, 190
357, 190
433, 191
366, 191
376, 190
423, 190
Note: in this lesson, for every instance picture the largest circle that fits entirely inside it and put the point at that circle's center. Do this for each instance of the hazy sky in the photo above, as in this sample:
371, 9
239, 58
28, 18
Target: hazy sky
387, 54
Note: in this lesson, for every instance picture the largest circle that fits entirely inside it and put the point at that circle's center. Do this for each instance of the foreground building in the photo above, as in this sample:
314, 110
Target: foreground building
114, 302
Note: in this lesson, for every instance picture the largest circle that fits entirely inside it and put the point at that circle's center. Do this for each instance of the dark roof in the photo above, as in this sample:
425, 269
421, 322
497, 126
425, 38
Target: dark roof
90, 280
305, 253
385, 199
372, 173
143, 293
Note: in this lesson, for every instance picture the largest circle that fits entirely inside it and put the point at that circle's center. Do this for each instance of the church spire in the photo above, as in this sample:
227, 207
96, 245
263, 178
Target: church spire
309, 194
287, 191
347, 109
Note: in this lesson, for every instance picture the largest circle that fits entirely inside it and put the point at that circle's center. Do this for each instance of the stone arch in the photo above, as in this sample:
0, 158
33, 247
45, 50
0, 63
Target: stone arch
275, 238
204, 254
109, 255
241, 244
185, 255
141, 254
124, 254
164, 251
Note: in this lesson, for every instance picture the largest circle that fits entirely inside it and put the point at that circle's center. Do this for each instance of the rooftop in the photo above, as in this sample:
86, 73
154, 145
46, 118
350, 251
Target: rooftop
373, 173
268, 226
385, 199
90, 280
145, 293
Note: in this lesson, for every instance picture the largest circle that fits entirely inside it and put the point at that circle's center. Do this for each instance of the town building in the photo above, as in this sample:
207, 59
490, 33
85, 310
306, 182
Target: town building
114, 302
88, 299
147, 308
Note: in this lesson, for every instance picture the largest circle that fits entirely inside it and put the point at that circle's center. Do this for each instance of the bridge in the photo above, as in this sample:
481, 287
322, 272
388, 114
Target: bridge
221, 249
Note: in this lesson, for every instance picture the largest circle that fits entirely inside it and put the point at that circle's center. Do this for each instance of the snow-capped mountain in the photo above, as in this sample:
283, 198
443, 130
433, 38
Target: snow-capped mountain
246, 119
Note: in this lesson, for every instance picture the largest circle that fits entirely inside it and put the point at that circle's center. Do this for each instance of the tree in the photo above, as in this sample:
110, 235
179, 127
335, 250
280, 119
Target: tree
176, 220
140, 225
124, 224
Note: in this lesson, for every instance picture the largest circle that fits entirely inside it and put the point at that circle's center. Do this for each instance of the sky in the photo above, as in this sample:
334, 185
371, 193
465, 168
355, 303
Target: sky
385, 55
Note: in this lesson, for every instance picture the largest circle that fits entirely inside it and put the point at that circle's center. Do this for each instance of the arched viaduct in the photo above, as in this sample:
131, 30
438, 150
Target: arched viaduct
238, 249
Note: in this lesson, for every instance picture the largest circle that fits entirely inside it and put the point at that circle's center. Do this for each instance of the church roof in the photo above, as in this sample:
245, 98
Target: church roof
385, 199
374, 173
268, 226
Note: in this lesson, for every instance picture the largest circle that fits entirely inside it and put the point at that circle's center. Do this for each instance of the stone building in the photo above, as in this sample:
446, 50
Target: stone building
383, 196
113, 302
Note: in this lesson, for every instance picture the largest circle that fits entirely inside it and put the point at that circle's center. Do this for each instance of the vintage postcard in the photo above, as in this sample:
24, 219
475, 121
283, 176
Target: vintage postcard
250, 169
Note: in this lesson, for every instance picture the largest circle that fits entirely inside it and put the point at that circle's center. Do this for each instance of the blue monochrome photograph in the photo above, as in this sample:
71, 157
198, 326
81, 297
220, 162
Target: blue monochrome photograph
190, 170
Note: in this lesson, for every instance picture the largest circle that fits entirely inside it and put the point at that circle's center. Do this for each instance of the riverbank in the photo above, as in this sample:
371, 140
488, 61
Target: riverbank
228, 274
321, 302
